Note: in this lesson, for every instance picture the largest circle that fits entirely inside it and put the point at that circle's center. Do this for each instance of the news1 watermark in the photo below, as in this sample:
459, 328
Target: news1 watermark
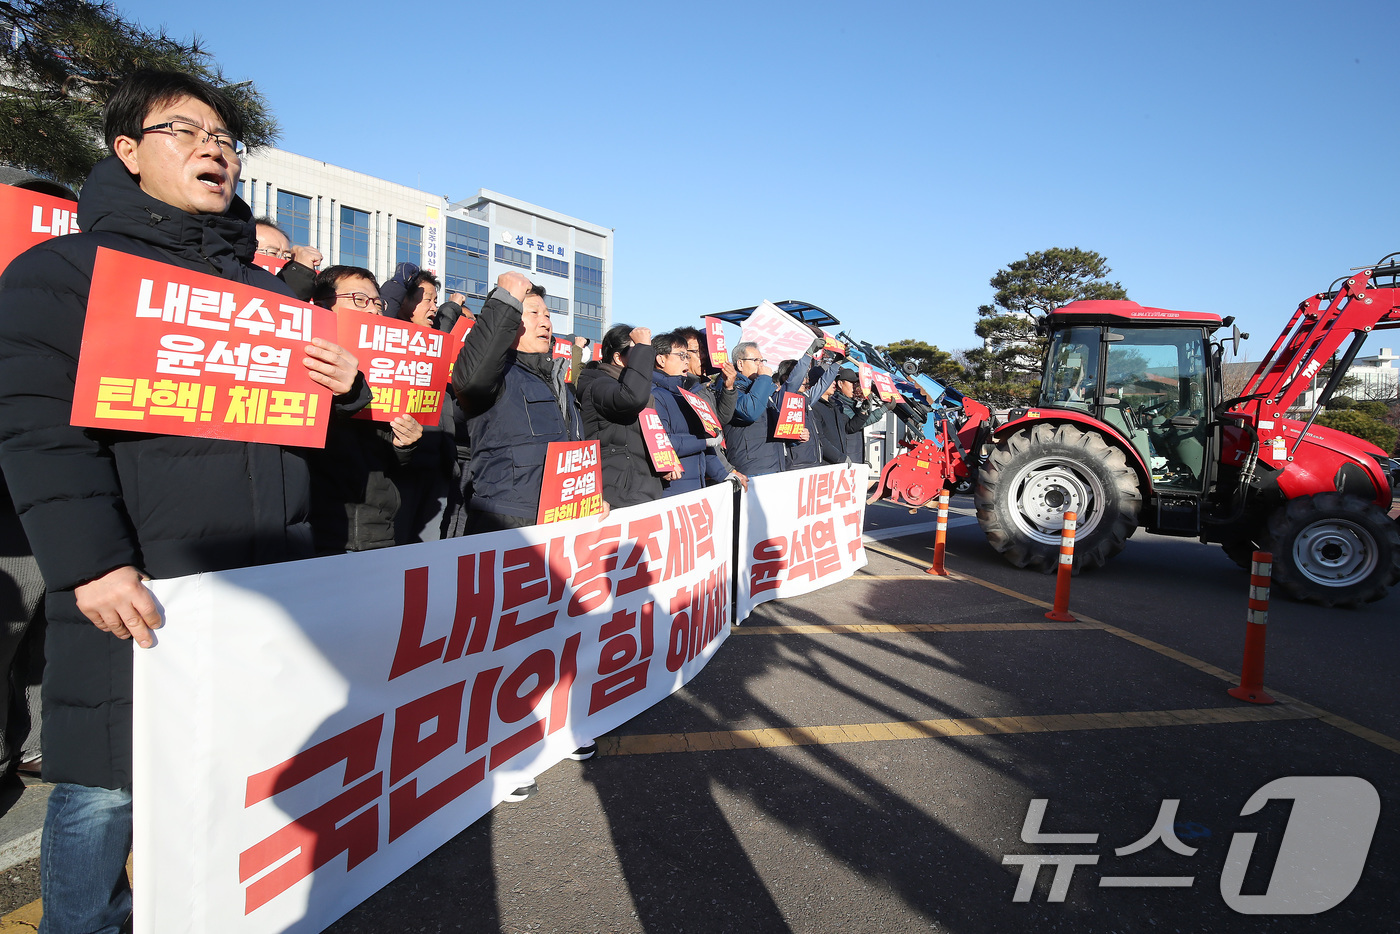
1319, 862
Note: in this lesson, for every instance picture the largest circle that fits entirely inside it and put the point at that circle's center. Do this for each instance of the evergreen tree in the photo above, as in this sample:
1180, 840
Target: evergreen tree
1006, 368
59, 62
938, 364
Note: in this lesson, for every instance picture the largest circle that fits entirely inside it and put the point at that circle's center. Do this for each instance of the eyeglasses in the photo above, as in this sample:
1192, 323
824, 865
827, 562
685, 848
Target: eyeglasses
752, 360
361, 300
191, 135
272, 251
683, 354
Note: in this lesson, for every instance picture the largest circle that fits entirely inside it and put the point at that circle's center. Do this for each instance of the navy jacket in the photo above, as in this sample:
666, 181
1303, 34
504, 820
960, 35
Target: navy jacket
612, 399
687, 437
516, 404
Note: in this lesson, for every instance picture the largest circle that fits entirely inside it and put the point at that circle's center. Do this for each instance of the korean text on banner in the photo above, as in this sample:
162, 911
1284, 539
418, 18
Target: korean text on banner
573, 482
663, 457
792, 417
867, 376
703, 411
412, 689
802, 532
406, 365
28, 217
714, 341
833, 345
778, 334
885, 386
176, 352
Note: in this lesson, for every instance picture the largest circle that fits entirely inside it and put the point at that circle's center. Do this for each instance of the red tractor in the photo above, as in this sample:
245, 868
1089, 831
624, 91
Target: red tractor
1132, 430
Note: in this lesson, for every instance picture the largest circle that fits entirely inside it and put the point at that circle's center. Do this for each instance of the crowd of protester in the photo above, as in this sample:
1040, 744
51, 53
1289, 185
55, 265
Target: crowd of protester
105, 510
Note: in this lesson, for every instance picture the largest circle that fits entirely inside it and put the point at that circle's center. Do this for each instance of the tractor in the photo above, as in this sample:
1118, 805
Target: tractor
1132, 430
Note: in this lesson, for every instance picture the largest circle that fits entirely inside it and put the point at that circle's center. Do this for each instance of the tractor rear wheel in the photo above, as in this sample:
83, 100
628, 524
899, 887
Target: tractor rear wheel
1333, 549
1034, 475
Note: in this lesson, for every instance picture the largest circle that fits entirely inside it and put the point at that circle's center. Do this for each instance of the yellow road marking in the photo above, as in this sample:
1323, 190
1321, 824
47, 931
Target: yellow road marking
1326, 716
812, 628
652, 743
25, 918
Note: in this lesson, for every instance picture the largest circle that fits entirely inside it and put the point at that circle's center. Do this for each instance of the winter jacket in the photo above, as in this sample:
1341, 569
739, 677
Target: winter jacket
354, 497
687, 437
808, 453
93, 500
516, 404
749, 435
612, 398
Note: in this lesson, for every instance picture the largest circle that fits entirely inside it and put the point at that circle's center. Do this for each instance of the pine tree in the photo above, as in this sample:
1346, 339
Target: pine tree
59, 62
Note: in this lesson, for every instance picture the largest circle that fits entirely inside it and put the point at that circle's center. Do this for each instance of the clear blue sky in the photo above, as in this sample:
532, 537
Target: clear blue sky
881, 160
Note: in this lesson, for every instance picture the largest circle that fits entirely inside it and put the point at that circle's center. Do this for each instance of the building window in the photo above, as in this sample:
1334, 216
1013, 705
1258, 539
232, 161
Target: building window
408, 244
240, 190
555, 267
557, 304
294, 217
511, 256
354, 237
588, 296
465, 268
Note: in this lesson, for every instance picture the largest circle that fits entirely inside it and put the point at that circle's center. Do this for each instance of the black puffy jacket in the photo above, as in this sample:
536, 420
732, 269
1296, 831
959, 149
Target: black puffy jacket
612, 399
93, 500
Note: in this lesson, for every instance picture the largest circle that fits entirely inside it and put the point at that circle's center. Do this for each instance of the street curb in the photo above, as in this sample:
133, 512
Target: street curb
20, 850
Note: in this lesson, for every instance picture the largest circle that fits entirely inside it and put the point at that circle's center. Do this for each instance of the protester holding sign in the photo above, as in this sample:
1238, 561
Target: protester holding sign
805, 451
613, 393
842, 416
354, 501
105, 509
295, 265
688, 438
749, 435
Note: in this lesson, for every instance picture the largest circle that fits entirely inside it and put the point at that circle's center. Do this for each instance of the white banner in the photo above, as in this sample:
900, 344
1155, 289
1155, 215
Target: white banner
799, 531
778, 334
306, 732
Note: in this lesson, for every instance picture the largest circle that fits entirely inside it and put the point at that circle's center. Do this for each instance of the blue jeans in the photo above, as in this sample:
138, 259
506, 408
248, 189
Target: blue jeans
82, 861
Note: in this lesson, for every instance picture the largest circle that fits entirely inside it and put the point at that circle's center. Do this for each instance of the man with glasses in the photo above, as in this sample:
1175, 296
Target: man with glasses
301, 262
106, 509
683, 427
355, 498
749, 435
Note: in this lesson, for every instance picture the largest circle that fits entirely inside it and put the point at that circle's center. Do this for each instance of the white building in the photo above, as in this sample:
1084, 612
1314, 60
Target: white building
359, 220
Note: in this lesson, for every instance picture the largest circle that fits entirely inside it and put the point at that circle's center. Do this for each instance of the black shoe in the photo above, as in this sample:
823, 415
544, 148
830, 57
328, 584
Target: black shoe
584, 752
523, 792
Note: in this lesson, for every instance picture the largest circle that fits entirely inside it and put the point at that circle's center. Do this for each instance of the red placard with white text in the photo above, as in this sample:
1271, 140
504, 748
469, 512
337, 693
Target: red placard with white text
406, 365
463, 327
792, 416
663, 457
573, 482
714, 340
28, 217
272, 264
833, 345
703, 411
867, 377
176, 352
885, 386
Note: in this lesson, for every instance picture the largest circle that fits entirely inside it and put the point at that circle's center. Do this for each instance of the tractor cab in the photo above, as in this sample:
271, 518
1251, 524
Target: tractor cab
1145, 372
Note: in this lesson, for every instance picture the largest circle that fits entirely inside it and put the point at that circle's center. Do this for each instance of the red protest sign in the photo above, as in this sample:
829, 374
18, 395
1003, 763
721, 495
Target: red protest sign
272, 264
406, 365
573, 482
792, 416
833, 345
597, 351
28, 217
704, 411
463, 327
663, 457
563, 348
885, 386
779, 335
714, 340
177, 352
867, 377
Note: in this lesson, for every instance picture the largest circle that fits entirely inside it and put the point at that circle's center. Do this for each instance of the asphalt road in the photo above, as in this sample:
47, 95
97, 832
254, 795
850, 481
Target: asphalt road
817, 780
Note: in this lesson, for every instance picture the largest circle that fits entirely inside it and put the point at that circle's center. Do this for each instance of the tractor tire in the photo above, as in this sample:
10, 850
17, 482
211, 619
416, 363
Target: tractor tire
1333, 549
1241, 551
1033, 476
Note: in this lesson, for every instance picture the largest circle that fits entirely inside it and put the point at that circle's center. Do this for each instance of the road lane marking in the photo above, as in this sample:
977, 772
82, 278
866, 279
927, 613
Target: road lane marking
815, 628
767, 738
1326, 716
